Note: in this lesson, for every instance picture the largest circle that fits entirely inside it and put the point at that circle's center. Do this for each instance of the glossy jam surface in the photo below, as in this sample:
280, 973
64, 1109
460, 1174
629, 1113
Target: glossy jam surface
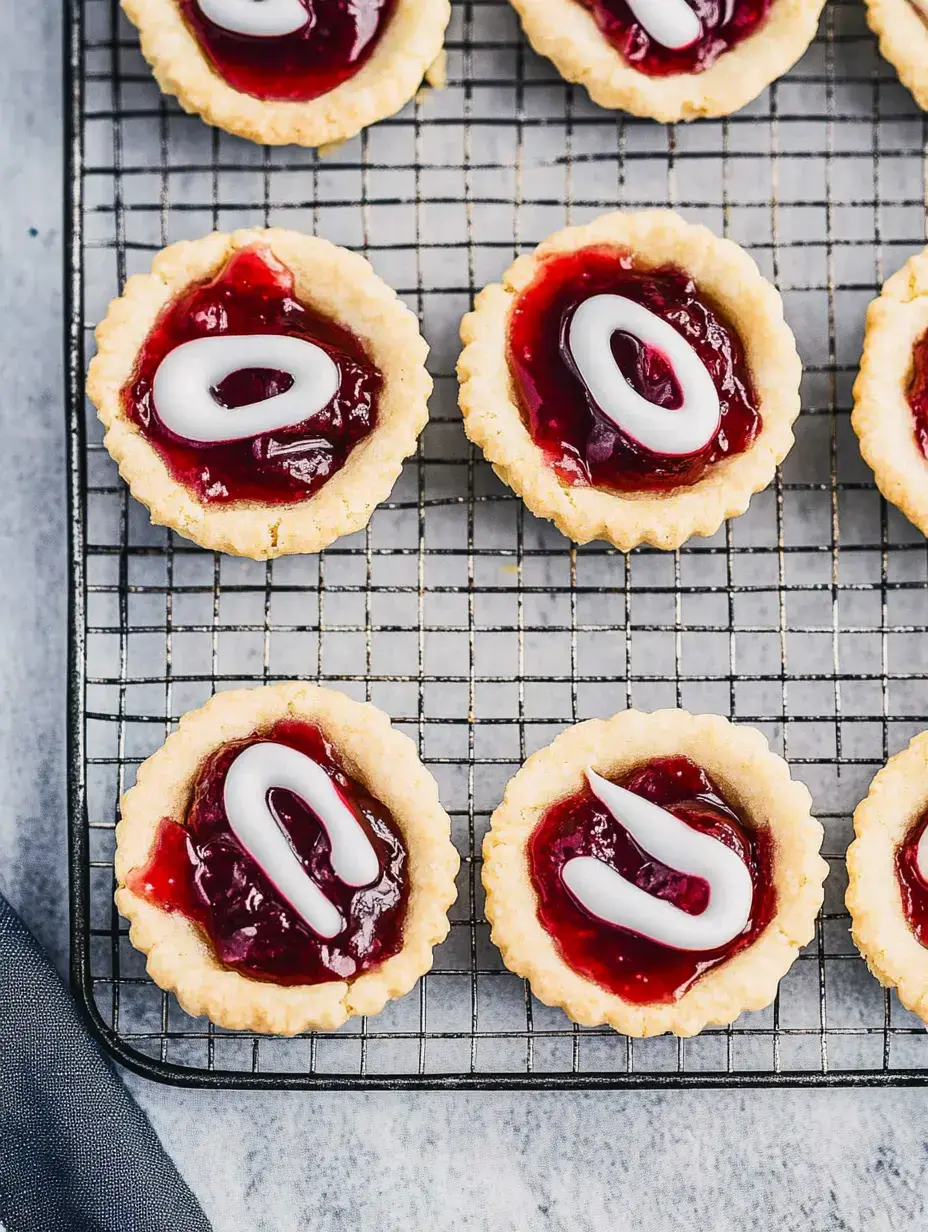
337, 40
579, 441
725, 23
912, 886
634, 967
253, 294
918, 392
199, 868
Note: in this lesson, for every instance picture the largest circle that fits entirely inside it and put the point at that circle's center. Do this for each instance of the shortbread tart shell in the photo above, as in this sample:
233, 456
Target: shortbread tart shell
882, 417
339, 284
752, 779
384, 761
566, 33
897, 799
903, 33
409, 51
730, 279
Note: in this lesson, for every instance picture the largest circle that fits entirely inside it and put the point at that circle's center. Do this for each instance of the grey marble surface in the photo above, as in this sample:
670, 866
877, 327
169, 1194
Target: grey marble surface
801, 1160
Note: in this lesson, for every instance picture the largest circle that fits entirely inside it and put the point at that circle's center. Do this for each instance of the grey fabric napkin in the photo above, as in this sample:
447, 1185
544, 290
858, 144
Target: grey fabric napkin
77, 1154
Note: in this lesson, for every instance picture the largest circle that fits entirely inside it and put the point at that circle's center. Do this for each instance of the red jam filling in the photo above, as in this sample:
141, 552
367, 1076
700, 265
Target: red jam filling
579, 441
634, 967
200, 869
912, 886
725, 23
337, 40
918, 392
253, 294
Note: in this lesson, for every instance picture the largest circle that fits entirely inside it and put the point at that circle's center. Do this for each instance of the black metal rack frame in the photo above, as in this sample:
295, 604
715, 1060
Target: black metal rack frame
805, 617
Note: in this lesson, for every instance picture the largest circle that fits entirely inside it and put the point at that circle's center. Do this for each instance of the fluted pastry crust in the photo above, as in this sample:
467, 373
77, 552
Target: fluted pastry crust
374, 754
409, 50
731, 279
882, 417
897, 799
752, 778
566, 33
903, 34
340, 285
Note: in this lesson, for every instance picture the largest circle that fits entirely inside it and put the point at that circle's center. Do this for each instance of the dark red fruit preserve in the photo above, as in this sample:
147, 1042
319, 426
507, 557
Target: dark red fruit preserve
912, 886
725, 23
918, 392
337, 40
579, 441
634, 967
199, 868
254, 294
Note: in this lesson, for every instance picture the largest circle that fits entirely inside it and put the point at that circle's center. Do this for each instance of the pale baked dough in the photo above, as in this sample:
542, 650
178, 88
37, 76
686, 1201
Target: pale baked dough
374, 754
903, 35
882, 417
409, 48
566, 33
337, 283
898, 797
731, 280
752, 778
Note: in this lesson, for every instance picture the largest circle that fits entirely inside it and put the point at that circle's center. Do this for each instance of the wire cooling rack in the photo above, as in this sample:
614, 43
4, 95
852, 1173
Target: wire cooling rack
479, 628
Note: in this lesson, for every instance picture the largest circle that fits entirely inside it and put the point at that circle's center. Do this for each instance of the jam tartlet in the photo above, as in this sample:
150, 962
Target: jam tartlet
887, 867
891, 391
260, 390
291, 72
671, 59
284, 861
656, 872
902, 28
632, 379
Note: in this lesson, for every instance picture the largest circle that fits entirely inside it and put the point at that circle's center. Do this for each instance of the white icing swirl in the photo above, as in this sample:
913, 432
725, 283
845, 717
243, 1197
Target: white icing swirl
186, 377
673, 433
672, 23
250, 778
258, 18
606, 894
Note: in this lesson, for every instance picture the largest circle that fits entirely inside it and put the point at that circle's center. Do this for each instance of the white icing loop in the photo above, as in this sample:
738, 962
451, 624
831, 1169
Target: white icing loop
672, 23
258, 18
186, 377
606, 894
250, 778
673, 433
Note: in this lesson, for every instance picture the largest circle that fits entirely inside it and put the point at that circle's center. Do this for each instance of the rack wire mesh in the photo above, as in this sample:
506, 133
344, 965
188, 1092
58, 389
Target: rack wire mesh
479, 628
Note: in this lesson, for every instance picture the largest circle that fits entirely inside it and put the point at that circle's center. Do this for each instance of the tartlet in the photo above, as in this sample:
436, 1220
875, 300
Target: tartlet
568, 33
890, 413
515, 342
549, 818
407, 49
902, 28
887, 892
305, 484
217, 929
